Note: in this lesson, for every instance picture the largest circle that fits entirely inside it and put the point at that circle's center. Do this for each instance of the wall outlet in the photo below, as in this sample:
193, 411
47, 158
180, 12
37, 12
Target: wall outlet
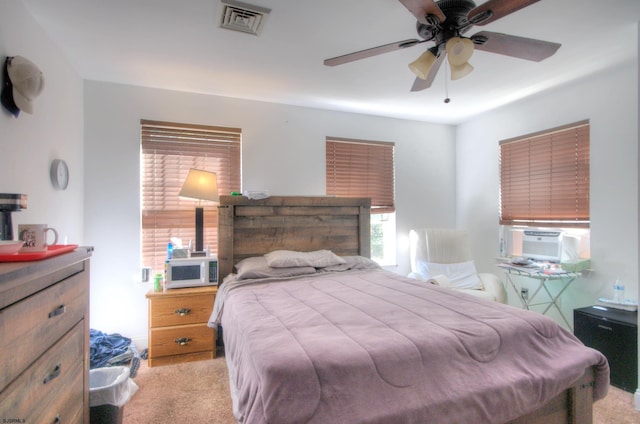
524, 293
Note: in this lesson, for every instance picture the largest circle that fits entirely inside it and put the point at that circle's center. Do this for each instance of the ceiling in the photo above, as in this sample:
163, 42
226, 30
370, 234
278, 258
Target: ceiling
179, 45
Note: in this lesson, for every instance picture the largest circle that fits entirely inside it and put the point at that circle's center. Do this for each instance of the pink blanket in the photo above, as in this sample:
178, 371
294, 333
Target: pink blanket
375, 347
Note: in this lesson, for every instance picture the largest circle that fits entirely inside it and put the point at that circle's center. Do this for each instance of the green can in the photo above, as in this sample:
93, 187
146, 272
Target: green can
157, 282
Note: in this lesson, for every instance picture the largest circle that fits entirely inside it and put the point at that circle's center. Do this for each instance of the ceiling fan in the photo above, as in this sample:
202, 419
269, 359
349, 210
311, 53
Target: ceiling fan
444, 22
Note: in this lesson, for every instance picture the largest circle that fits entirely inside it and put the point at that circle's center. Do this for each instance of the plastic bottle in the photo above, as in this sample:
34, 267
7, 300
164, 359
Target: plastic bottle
169, 251
166, 271
618, 291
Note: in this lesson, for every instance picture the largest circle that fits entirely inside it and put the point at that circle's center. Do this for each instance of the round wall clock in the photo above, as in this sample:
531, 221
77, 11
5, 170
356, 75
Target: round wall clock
59, 174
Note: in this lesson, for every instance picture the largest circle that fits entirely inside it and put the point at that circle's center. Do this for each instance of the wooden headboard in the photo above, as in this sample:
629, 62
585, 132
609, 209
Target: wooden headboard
304, 223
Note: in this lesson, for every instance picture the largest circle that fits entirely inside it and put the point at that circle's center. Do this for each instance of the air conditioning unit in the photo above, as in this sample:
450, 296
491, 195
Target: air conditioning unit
542, 245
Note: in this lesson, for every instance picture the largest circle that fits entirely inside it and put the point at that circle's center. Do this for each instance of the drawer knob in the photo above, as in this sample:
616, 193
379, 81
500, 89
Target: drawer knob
182, 311
55, 373
58, 311
183, 341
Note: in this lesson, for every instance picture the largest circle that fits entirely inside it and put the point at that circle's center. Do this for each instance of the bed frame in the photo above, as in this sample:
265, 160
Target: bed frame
254, 227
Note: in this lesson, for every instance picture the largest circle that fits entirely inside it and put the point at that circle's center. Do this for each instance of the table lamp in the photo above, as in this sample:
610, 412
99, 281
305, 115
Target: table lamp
202, 186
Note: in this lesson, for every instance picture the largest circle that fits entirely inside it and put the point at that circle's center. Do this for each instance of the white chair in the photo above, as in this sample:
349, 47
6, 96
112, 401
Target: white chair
443, 256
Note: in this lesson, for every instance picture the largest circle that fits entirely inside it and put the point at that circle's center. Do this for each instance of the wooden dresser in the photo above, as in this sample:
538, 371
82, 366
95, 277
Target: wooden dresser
178, 329
44, 334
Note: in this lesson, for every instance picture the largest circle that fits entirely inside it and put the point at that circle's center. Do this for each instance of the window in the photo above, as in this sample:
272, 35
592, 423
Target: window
169, 150
360, 168
544, 178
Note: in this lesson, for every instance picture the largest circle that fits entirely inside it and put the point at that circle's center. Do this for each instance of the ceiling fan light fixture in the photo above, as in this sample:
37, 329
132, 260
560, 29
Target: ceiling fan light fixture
423, 64
460, 71
459, 50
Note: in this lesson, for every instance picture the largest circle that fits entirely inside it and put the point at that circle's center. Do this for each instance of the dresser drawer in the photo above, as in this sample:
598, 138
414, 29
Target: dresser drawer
194, 337
29, 327
180, 309
51, 390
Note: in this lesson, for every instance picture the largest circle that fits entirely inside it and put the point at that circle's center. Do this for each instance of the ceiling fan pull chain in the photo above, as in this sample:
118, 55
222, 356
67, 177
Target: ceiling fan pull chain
446, 83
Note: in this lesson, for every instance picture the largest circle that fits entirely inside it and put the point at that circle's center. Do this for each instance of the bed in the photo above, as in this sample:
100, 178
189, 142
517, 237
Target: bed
350, 342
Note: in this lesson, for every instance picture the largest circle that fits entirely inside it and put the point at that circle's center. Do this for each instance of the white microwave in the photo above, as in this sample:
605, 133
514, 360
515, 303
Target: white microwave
191, 272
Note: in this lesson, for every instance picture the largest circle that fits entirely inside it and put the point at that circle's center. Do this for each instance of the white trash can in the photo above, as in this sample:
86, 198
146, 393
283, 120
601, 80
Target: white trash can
110, 388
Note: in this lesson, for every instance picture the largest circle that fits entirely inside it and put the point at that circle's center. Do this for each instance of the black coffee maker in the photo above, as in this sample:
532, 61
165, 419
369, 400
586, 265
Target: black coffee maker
10, 202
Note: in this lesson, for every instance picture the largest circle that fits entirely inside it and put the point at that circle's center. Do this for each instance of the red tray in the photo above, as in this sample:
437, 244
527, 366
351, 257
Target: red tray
53, 250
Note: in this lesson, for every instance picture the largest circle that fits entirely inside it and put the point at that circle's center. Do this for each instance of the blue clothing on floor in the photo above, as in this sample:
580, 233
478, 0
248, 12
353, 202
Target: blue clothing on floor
103, 347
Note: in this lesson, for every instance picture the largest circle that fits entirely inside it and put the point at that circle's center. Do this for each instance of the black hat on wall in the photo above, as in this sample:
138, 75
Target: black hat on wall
22, 83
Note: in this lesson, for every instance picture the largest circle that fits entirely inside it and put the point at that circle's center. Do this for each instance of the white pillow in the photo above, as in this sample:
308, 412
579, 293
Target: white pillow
290, 258
461, 275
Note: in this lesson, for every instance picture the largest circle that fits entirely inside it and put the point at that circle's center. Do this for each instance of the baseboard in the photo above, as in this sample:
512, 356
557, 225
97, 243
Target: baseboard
141, 342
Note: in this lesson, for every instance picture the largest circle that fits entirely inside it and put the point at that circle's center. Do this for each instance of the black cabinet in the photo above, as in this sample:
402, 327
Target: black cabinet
613, 332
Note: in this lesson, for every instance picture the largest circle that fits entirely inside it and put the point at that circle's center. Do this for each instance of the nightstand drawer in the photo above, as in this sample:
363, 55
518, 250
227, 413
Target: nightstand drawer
180, 310
52, 387
37, 322
180, 340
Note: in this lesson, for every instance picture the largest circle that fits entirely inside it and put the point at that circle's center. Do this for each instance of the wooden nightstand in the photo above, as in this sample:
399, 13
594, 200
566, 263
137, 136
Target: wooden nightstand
178, 329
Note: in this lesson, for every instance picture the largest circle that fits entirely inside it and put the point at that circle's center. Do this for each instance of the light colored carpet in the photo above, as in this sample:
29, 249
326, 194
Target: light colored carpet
190, 393
617, 408
198, 393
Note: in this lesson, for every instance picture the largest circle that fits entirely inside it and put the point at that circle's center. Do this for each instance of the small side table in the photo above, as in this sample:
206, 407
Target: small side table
613, 332
178, 329
543, 279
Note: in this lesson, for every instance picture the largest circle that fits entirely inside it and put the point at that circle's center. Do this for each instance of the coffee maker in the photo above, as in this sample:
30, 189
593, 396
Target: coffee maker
10, 202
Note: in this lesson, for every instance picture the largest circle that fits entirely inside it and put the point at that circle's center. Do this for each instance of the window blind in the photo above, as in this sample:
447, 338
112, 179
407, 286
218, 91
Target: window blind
168, 151
544, 178
360, 168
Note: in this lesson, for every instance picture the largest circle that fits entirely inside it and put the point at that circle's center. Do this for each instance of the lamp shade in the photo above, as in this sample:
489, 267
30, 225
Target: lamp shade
423, 64
200, 185
459, 51
458, 72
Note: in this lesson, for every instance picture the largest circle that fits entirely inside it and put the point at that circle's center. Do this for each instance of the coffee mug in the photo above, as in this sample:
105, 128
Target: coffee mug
34, 237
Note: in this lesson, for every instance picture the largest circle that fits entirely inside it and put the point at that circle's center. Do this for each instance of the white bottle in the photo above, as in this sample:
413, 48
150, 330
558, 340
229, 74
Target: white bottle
618, 291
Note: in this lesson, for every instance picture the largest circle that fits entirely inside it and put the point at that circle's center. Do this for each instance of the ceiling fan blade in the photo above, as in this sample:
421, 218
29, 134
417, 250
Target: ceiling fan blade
495, 9
422, 84
374, 51
422, 8
511, 45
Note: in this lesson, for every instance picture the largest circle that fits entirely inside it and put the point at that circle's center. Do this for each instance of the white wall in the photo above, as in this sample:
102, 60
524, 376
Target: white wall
283, 152
610, 102
29, 143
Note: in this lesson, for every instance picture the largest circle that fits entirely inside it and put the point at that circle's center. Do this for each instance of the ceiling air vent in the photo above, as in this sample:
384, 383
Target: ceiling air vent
243, 17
